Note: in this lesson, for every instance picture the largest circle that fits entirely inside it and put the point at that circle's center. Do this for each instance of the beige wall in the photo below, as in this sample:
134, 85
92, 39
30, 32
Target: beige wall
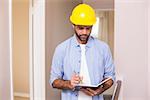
100, 4
58, 28
131, 48
111, 30
21, 46
5, 80
20, 98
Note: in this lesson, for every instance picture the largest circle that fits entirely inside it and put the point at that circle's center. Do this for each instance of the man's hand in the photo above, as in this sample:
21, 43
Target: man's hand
92, 92
67, 84
75, 79
99, 90
62, 84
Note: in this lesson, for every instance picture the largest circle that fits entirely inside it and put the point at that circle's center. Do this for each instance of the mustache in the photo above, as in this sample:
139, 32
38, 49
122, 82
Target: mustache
83, 35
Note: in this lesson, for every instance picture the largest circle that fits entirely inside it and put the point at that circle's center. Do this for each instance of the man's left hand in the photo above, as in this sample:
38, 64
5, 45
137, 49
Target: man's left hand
92, 92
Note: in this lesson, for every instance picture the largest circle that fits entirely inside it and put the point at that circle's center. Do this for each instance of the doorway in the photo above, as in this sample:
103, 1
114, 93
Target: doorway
45, 17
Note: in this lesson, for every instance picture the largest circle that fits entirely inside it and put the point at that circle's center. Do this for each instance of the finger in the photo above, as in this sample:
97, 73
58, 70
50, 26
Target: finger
76, 78
99, 90
92, 91
75, 82
75, 75
87, 92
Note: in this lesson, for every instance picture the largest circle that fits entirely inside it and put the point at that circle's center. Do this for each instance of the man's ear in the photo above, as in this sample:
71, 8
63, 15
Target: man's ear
72, 26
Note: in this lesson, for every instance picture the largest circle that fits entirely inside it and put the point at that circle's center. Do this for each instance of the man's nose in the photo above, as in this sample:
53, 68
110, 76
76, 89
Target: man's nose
84, 31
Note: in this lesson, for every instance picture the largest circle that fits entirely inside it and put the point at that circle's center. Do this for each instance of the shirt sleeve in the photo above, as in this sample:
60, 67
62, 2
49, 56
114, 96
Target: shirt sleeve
109, 70
57, 65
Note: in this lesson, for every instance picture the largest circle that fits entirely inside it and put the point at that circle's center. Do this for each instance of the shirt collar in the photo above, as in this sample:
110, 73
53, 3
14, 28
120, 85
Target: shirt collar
76, 43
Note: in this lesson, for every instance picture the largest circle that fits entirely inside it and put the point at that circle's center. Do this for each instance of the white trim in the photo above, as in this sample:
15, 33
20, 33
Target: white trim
10, 48
104, 9
131, 1
148, 48
22, 95
31, 52
38, 50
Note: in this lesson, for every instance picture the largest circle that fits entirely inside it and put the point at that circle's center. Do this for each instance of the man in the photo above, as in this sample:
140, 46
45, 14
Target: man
82, 59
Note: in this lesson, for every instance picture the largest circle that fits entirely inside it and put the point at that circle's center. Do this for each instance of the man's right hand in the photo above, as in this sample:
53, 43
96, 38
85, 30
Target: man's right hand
75, 79
67, 84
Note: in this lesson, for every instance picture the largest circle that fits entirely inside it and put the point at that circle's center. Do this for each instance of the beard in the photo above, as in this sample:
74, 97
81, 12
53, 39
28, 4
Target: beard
83, 38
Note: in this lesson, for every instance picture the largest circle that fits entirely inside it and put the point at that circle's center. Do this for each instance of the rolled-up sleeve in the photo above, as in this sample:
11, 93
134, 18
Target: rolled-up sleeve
57, 65
109, 64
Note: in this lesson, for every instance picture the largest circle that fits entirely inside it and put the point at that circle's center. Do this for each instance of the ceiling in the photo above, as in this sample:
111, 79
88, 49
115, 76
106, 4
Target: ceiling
100, 4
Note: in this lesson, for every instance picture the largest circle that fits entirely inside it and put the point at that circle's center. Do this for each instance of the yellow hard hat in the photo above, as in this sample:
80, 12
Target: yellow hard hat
83, 14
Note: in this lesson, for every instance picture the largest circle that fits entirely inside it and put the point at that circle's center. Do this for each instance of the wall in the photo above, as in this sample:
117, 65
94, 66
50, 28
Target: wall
100, 4
111, 30
131, 48
58, 28
5, 76
21, 47
148, 47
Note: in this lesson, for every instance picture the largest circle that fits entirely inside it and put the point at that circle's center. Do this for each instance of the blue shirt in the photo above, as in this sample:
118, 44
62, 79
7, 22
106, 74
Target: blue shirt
67, 58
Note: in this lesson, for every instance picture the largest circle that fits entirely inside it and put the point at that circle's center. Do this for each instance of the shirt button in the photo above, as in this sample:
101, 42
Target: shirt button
76, 94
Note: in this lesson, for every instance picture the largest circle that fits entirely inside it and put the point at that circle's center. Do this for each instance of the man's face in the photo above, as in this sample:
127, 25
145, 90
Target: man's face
82, 33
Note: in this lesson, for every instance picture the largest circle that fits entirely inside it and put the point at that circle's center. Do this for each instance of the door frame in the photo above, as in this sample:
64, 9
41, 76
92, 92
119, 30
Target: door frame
37, 49
11, 48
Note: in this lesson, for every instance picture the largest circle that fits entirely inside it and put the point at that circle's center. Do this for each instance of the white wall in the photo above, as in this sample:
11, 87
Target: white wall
149, 46
131, 47
37, 50
5, 79
58, 28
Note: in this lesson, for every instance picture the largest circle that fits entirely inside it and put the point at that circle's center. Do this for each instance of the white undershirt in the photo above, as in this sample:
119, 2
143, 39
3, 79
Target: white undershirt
84, 73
